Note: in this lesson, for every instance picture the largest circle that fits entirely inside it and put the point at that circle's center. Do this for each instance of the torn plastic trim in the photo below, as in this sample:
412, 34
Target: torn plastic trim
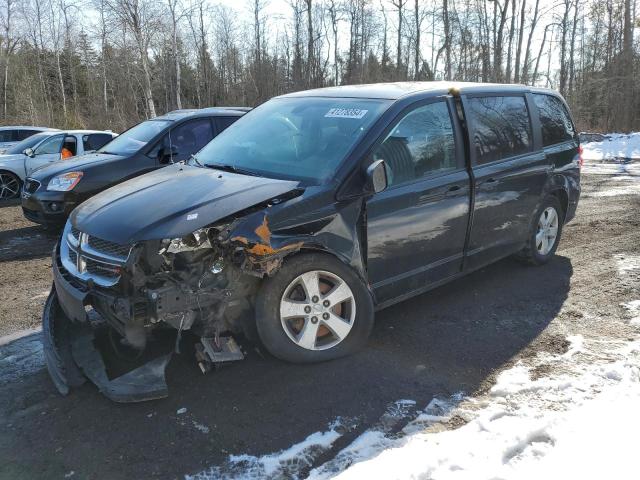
70, 355
56, 344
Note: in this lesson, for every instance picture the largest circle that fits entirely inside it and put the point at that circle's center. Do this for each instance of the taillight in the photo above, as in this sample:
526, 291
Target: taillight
580, 159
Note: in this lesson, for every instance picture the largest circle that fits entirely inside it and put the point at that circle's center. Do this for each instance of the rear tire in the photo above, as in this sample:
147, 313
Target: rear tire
545, 232
314, 309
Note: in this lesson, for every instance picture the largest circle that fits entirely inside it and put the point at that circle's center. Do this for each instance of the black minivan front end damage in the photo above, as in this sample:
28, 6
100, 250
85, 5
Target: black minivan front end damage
203, 281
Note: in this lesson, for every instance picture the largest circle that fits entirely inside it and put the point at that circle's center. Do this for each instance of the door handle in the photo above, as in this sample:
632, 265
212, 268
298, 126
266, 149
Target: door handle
453, 189
491, 180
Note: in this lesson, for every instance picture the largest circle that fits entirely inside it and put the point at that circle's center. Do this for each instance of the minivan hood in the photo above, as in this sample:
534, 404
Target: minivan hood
44, 173
172, 202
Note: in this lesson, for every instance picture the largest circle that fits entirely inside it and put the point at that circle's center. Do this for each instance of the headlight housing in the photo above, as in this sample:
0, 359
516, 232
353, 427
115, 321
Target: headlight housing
64, 182
193, 241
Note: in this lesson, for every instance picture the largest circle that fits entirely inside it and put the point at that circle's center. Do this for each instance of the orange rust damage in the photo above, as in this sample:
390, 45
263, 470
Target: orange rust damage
262, 250
265, 248
263, 231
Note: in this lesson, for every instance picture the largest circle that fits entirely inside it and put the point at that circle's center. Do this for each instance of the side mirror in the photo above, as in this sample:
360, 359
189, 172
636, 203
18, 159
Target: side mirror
29, 152
166, 154
377, 177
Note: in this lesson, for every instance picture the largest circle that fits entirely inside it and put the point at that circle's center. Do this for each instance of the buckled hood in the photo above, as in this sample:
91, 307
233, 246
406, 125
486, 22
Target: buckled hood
172, 202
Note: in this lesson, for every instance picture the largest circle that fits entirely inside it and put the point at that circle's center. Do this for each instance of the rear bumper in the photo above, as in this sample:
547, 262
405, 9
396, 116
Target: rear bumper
574, 198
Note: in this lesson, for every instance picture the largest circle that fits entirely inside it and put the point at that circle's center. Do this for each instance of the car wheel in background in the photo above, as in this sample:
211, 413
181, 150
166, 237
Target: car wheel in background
10, 185
545, 232
314, 309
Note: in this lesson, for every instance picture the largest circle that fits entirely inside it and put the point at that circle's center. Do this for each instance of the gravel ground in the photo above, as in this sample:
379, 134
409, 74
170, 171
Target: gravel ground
453, 339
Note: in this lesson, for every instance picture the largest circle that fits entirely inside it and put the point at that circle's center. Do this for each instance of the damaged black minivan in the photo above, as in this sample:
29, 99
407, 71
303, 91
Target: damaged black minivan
301, 219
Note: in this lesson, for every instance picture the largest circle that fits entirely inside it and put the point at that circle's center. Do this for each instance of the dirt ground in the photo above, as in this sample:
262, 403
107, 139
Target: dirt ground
453, 339
25, 269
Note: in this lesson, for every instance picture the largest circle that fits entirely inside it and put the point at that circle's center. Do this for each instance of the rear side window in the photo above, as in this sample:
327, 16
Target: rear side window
502, 127
95, 141
6, 136
554, 118
20, 135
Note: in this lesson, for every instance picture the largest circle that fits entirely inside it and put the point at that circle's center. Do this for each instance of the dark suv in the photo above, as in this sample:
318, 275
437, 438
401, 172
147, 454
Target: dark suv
307, 215
49, 194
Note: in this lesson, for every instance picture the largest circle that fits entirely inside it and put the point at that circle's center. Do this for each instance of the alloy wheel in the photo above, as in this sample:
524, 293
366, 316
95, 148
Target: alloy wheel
547, 232
317, 310
9, 186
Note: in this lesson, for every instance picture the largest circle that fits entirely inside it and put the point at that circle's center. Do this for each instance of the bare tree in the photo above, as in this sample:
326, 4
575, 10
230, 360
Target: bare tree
141, 17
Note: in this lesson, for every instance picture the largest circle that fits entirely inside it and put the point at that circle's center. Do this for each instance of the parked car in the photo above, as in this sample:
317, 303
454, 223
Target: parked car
10, 136
41, 149
306, 216
50, 194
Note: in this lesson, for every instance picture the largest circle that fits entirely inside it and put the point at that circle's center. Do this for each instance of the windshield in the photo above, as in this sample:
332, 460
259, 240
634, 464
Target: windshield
294, 138
135, 138
29, 142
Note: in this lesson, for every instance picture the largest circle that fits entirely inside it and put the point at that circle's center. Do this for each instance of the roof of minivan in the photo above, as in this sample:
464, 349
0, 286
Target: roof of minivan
210, 111
396, 90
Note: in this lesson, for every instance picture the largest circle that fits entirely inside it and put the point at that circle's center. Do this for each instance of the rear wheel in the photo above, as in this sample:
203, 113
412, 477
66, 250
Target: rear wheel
314, 309
9, 186
545, 232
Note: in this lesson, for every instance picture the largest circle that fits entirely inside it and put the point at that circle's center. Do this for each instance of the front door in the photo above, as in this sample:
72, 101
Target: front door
509, 170
416, 228
46, 152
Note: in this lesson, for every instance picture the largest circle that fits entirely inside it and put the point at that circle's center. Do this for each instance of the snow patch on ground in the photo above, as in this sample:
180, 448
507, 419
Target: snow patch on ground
524, 428
617, 155
616, 145
287, 463
633, 307
627, 263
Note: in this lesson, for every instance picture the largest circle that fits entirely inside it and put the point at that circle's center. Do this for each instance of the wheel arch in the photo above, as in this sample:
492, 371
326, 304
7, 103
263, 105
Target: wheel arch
558, 187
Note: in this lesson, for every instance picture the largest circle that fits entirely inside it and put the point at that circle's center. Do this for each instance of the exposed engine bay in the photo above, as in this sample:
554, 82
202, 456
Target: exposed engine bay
203, 282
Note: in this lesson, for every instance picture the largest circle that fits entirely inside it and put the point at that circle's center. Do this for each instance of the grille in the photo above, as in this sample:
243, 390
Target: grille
31, 185
110, 248
93, 258
102, 269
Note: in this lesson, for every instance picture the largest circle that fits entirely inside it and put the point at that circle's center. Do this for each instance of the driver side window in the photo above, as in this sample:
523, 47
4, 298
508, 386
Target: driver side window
421, 144
51, 145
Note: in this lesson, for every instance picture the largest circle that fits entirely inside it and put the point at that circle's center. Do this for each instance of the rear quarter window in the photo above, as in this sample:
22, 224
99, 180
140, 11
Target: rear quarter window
501, 126
555, 121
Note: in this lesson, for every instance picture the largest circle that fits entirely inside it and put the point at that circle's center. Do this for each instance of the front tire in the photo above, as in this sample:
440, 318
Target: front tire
545, 232
10, 185
314, 309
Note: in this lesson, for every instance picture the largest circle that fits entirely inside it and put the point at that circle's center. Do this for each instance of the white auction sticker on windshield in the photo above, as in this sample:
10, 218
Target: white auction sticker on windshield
346, 113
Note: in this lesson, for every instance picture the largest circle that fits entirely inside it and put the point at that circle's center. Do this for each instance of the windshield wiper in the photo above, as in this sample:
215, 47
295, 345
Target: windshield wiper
231, 168
105, 152
195, 159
